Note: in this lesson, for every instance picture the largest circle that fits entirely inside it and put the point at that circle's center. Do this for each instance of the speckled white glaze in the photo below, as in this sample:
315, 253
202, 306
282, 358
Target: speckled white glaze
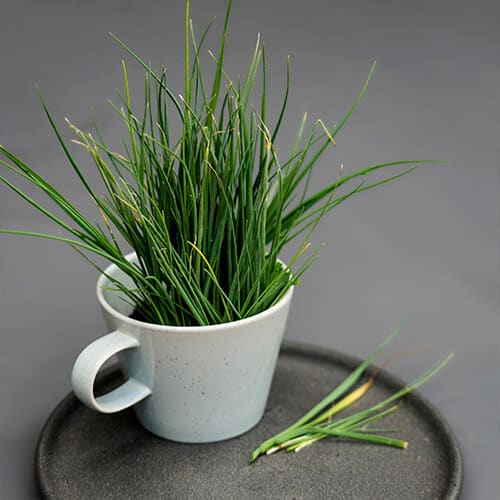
188, 384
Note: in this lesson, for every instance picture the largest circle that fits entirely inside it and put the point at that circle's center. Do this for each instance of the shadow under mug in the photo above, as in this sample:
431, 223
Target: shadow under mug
191, 384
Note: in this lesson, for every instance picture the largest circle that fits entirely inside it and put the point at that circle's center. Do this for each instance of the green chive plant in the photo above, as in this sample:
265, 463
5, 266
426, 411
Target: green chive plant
208, 212
319, 422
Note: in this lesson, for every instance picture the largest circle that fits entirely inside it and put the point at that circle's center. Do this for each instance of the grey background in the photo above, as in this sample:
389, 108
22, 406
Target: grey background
423, 253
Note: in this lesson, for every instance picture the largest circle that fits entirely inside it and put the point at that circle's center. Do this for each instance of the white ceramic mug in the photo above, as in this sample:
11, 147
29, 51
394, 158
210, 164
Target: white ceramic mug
191, 384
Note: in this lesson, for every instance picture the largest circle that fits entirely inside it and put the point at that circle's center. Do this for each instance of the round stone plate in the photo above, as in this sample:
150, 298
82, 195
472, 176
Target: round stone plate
83, 454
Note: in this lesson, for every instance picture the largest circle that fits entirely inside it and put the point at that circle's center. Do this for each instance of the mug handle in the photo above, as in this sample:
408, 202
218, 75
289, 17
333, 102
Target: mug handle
87, 366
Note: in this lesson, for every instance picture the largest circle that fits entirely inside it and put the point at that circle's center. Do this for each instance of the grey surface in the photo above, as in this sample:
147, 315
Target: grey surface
423, 252
78, 445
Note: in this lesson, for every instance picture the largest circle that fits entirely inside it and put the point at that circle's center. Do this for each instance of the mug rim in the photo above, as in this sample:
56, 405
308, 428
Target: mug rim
174, 328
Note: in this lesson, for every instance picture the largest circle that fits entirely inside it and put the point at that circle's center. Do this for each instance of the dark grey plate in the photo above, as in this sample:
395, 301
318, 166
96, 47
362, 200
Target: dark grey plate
84, 454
